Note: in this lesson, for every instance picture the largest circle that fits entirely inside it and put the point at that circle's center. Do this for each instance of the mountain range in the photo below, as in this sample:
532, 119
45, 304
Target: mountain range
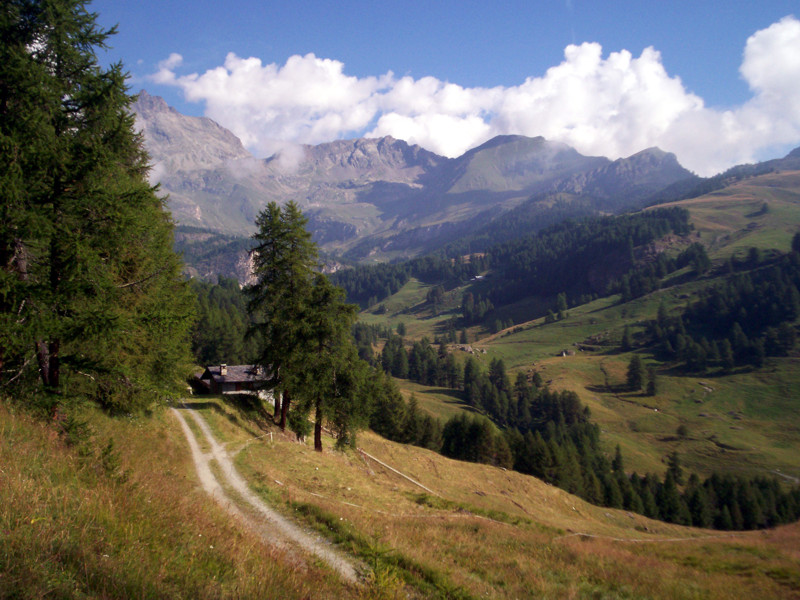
382, 199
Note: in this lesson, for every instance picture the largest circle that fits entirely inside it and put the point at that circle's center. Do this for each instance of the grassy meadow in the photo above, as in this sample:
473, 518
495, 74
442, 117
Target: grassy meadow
80, 520
144, 528
733, 219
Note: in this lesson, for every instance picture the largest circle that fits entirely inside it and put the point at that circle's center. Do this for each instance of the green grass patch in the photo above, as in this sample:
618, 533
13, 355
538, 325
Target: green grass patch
441, 403
426, 580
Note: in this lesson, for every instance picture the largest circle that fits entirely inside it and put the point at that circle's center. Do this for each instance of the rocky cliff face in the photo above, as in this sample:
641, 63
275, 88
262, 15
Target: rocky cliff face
382, 195
384, 159
179, 143
626, 181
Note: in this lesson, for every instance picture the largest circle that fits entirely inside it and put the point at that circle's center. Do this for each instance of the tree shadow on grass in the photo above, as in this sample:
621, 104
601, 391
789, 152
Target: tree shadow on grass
454, 398
611, 389
248, 408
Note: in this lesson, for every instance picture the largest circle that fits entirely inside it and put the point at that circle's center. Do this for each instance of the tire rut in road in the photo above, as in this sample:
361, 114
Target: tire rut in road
273, 527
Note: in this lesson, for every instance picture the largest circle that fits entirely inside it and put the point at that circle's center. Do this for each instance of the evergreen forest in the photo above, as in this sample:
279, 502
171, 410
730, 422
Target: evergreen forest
549, 434
92, 300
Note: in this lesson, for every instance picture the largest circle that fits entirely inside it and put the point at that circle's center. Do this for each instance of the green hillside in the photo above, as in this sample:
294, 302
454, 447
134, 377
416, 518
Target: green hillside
740, 422
734, 218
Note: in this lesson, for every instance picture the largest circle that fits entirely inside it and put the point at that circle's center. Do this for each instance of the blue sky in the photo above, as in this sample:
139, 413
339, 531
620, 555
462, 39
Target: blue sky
706, 80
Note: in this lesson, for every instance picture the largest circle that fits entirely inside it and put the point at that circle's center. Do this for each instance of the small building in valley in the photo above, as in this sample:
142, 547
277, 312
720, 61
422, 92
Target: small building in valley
232, 379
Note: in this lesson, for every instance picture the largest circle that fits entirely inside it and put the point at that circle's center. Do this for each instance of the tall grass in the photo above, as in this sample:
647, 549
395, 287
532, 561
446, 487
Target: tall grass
93, 520
90, 520
494, 533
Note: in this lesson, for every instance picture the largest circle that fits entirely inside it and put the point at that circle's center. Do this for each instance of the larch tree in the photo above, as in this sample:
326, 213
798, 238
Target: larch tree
304, 328
635, 374
91, 297
330, 381
284, 260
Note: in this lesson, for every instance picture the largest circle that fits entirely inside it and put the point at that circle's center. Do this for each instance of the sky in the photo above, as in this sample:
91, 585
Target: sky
717, 83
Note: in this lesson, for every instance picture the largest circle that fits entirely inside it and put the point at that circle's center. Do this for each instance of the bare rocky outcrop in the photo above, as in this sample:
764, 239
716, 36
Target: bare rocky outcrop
380, 197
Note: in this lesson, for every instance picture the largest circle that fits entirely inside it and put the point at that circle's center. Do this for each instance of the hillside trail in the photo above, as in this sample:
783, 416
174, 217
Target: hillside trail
271, 526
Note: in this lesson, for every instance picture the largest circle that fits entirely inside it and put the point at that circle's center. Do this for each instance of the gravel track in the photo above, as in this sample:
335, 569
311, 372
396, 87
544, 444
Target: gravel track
274, 528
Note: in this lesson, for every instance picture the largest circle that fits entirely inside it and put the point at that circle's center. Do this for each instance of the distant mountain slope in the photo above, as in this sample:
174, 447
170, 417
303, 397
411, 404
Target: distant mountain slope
382, 198
626, 182
761, 211
517, 163
177, 142
694, 186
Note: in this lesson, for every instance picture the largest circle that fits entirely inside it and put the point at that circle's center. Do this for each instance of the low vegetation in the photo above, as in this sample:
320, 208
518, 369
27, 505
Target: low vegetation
110, 508
141, 526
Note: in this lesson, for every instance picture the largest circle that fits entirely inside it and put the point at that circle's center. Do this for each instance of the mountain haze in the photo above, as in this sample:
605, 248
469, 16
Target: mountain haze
379, 199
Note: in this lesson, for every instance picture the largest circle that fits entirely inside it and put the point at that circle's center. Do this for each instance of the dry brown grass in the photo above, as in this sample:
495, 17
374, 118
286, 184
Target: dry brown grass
500, 534
70, 529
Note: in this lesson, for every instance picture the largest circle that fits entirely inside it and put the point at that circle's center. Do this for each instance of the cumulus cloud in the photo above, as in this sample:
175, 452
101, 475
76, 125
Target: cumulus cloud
612, 106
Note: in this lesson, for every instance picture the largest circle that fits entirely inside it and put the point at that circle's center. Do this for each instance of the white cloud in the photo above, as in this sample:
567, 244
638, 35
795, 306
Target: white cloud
165, 74
771, 62
613, 106
447, 135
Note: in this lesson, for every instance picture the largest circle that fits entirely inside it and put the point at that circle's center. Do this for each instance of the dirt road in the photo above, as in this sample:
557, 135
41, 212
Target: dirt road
273, 527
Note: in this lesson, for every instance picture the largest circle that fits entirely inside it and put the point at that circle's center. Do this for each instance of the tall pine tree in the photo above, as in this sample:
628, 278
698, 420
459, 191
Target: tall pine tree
90, 291
304, 328
284, 259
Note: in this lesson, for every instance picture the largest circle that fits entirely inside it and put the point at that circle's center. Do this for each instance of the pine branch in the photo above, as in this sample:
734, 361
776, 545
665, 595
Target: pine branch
19, 373
132, 283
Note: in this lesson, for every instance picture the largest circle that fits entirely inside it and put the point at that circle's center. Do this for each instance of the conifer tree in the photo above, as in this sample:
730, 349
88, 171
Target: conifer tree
796, 242
635, 373
652, 381
618, 465
387, 414
674, 467
699, 508
283, 261
626, 339
330, 379
304, 328
411, 422
89, 283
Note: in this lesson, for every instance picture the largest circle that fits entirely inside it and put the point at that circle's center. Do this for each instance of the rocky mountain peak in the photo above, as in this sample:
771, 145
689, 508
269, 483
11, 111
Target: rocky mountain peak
384, 158
626, 181
380, 196
651, 165
178, 142
514, 162
150, 105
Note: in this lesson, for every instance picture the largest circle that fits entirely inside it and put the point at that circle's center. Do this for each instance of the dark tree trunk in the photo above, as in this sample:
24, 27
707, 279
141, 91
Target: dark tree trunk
276, 396
49, 363
42, 356
318, 427
284, 409
13, 258
55, 365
